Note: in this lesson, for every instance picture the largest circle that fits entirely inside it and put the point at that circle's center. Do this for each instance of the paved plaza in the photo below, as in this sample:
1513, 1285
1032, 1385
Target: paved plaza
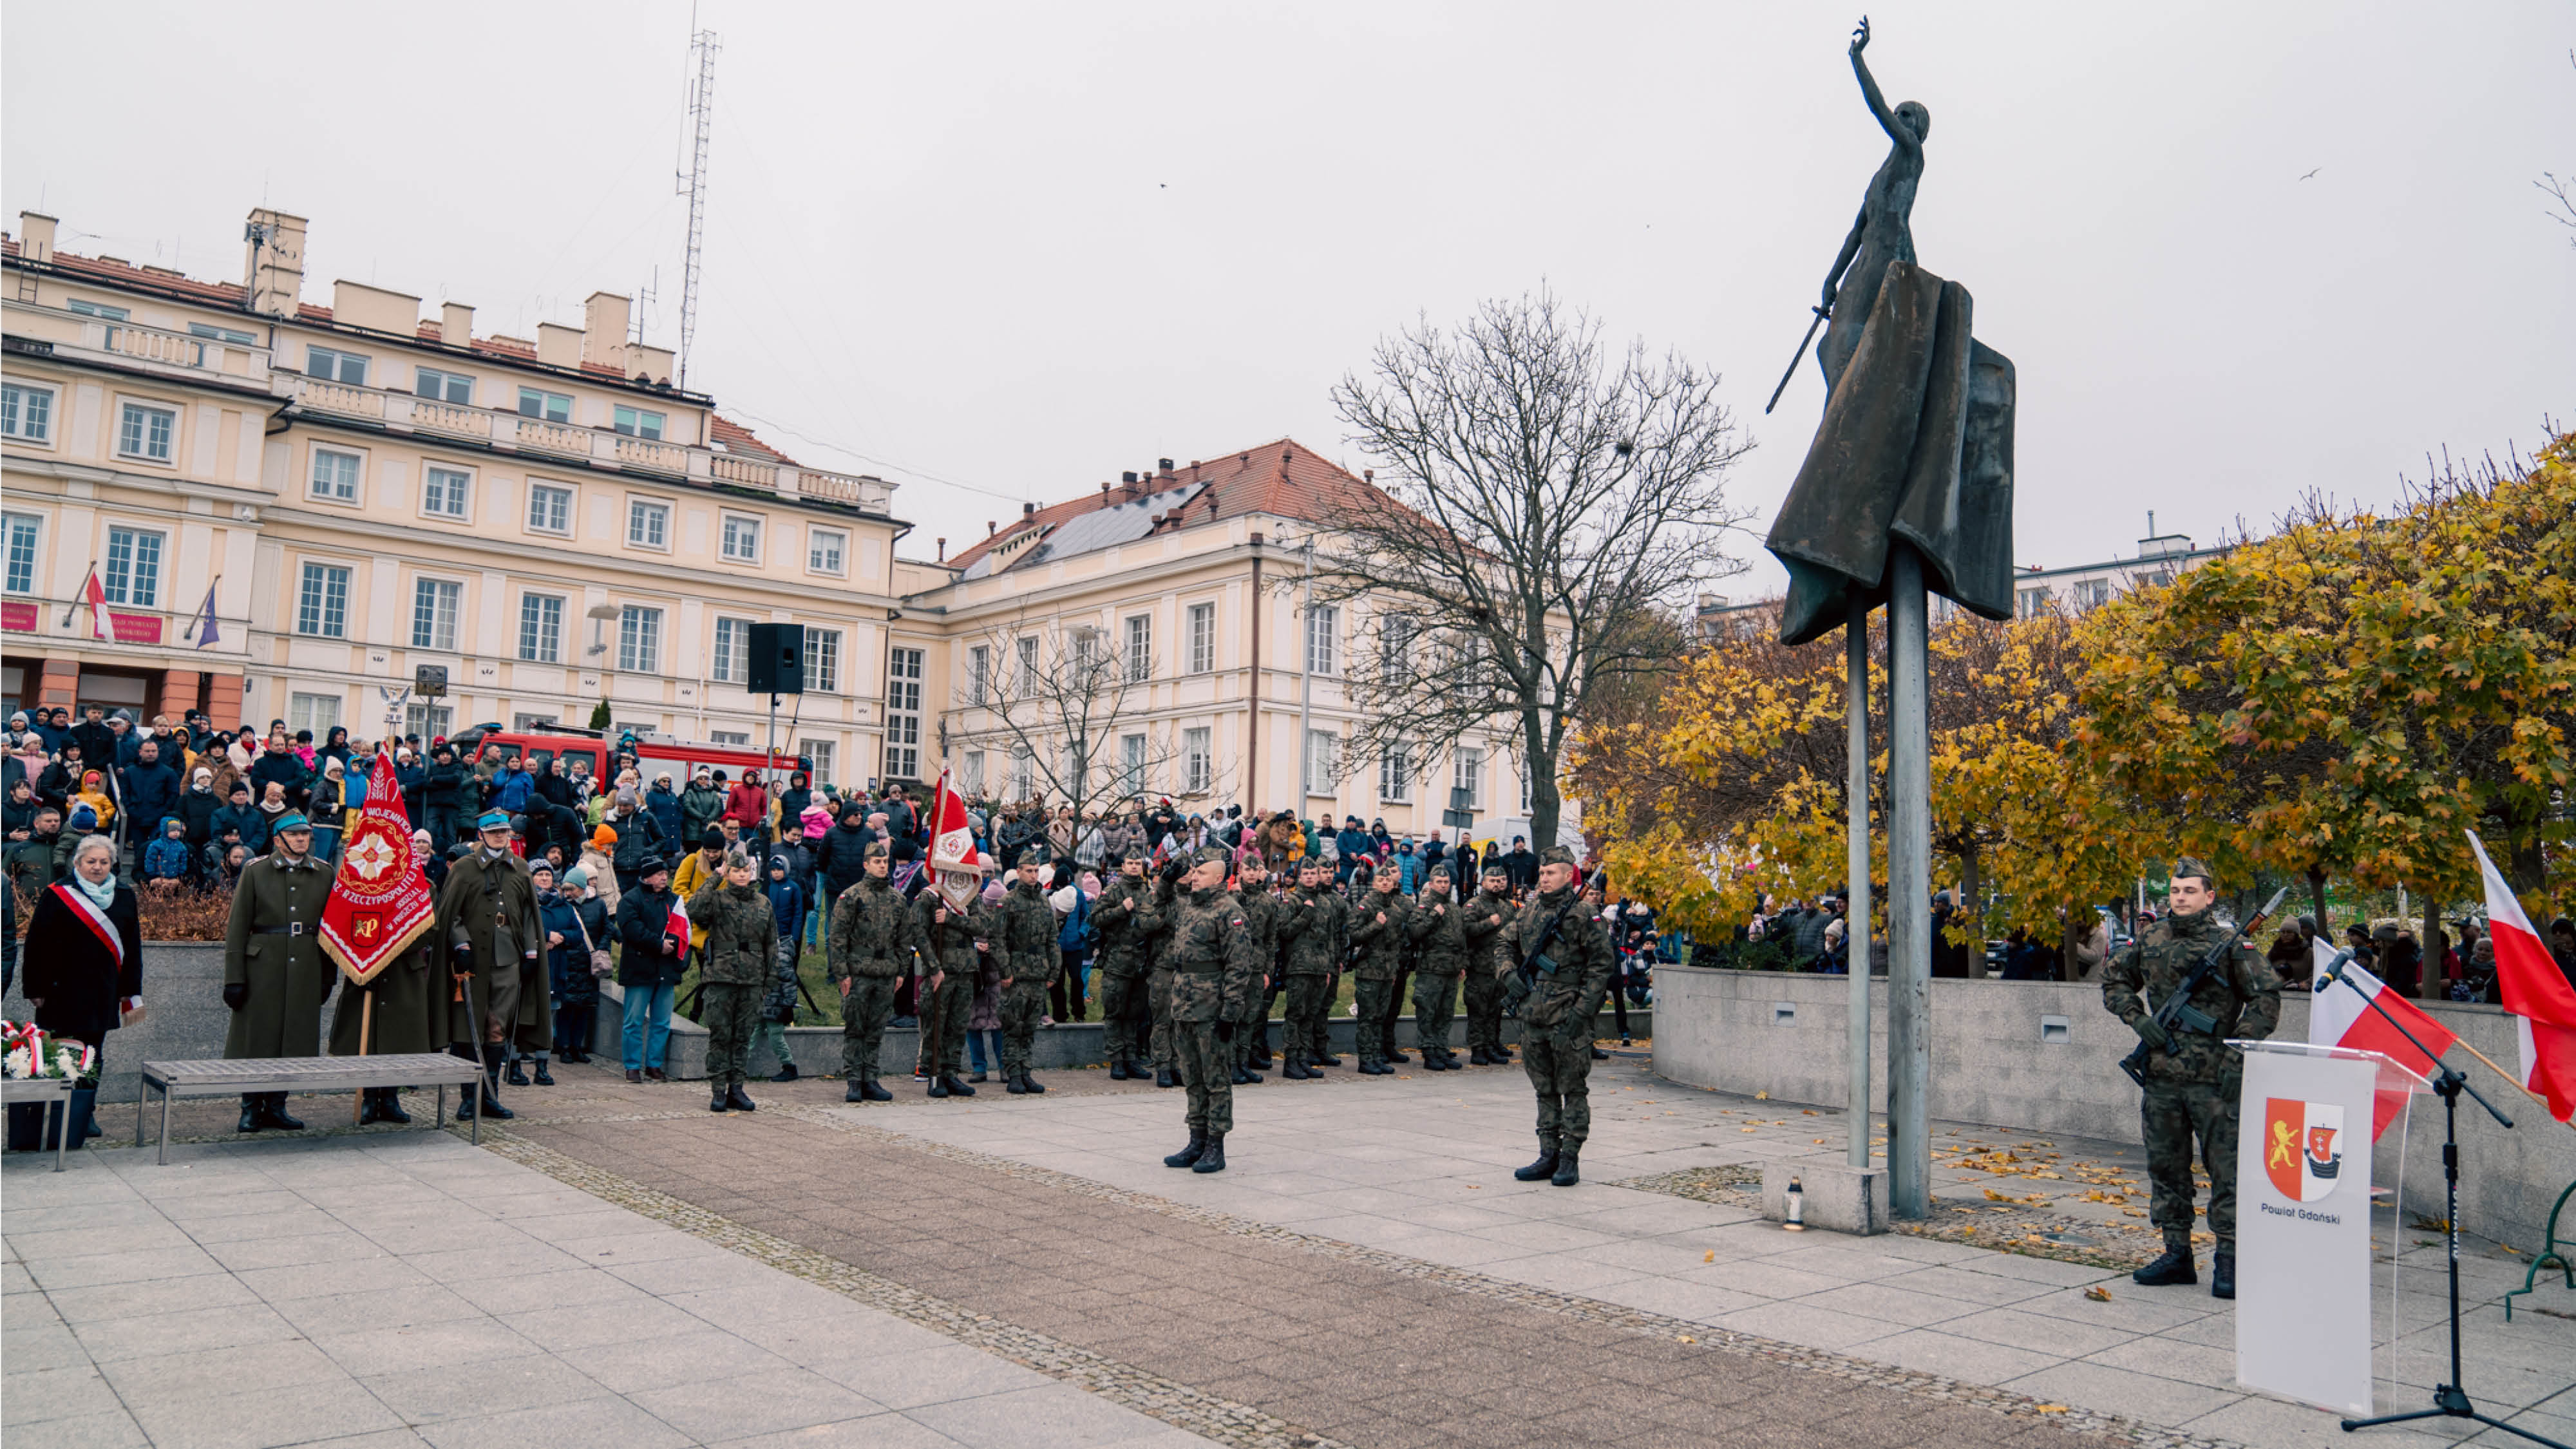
619, 1266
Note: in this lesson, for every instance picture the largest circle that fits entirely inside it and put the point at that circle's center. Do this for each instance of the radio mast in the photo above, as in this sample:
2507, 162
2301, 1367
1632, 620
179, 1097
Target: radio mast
702, 84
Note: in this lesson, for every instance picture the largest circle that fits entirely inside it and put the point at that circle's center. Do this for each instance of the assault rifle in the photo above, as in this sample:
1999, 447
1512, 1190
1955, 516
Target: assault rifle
2178, 1015
1524, 977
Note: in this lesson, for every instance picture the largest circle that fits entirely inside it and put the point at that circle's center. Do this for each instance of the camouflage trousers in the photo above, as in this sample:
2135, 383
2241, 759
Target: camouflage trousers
1484, 1012
729, 1013
1023, 1002
943, 1024
1207, 1070
1435, 1000
1251, 1028
1158, 998
1375, 1000
1309, 998
863, 1017
2170, 1117
1559, 1062
1126, 1017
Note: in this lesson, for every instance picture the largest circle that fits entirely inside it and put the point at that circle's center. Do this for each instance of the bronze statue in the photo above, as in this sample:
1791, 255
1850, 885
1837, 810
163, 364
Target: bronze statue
1884, 230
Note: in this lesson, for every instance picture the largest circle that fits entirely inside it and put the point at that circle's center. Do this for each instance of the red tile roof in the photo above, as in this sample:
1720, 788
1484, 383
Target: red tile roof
1283, 479
735, 438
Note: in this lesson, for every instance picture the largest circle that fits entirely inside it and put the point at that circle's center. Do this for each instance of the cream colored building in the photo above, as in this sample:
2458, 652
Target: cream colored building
366, 487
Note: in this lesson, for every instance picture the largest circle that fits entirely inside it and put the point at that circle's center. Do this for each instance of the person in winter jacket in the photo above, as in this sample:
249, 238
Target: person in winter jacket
575, 923
413, 782
747, 805
198, 806
513, 787
277, 765
150, 787
639, 839
165, 861
651, 958
700, 804
787, 905
662, 802
244, 819
442, 795
793, 800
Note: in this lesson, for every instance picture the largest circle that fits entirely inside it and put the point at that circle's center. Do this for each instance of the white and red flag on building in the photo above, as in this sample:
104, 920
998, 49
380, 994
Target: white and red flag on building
2537, 993
94, 594
380, 902
2340, 1016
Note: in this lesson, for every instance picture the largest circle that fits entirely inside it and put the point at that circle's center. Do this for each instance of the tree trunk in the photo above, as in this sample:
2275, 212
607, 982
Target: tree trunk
2317, 899
1545, 801
1972, 912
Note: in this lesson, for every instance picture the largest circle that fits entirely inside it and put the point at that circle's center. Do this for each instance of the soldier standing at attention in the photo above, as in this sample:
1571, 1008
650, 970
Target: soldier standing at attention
1125, 916
874, 937
1440, 956
1377, 929
1028, 934
952, 931
1261, 918
1481, 919
2192, 1078
1158, 977
1556, 1038
275, 975
1336, 947
1305, 946
487, 915
1214, 969
733, 973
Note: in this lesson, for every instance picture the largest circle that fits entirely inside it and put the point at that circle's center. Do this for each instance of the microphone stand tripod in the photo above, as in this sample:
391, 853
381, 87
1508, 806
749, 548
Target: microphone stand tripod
2450, 1400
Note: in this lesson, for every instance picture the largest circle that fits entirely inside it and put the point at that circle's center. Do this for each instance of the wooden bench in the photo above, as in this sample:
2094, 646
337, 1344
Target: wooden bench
301, 1074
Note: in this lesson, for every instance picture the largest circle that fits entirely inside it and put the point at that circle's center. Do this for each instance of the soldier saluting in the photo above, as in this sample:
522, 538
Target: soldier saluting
1216, 969
1556, 953
2192, 1078
275, 974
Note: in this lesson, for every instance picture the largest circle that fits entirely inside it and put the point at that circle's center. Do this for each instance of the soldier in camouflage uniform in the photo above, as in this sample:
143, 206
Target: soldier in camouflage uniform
1308, 924
734, 968
1158, 975
1378, 925
2192, 1078
1440, 956
1556, 1038
950, 935
1483, 918
1260, 917
874, 940
1126, 916
1215, 969
1028, 931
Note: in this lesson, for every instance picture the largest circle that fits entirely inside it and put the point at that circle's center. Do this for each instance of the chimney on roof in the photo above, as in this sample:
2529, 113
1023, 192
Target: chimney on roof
989, 526
1368, 475
273, 261
455, 324
560, 346
1126, 477
35, 236
1028, 510
1165, 463
604, 319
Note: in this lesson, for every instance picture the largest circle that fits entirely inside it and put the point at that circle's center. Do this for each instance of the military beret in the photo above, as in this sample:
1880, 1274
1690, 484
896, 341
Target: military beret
2193, 865
1034, 855
1495, 867
1211, 854
1440, 869
874, 849
1556, 855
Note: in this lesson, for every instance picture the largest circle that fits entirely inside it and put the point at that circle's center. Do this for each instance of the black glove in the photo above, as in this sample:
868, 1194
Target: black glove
1225, 1031
236, 994
2154, 1035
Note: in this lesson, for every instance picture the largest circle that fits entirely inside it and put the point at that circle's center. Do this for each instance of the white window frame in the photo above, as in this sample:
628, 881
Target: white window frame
729, 650
1131, 765
141, 426
541, 628
1395, 634
636, 422
131, 572
827, 552
563, 493
316, 712
1395, 774
1024, 773
429, 721
333, 490
432, 598
738, 537
979, 673
823, 663
658, 511
536, 402
819, 753
457, 487
1198, 760
441, 386
1323, 761
1202, 637
27, 529
27, 412
729, 737
902, 760
639, 639
1323, 639
335, 365
1025, 650
1467, 772
970, 774
1140, 648
315, 585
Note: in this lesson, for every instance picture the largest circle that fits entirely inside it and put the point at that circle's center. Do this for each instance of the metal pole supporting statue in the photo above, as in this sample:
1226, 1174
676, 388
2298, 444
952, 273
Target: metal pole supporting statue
1907, 488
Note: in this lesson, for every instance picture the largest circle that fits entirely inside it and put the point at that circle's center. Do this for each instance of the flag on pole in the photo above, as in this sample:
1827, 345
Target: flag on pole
2339, 1016
205, 625
675, 927
2535, 991
380, 902
957, 869
95, 595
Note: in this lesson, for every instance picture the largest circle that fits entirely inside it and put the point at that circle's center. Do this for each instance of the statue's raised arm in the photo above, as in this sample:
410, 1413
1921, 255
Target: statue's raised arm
1905, 139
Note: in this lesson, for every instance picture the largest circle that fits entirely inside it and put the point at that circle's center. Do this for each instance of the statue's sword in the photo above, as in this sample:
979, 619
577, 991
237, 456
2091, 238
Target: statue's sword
1821, 315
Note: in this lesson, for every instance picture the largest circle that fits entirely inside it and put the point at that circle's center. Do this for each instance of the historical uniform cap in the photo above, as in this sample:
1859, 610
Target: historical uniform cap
493, 820
2193, 865
874, 849
1034, 855
291, 820
1556, 855
1211, 854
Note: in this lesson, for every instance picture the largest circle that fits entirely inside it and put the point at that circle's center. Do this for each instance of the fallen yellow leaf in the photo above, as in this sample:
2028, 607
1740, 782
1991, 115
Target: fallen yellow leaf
1686, 1338
2052, 1408
1762, 1096
2098, 1293
1709, 1257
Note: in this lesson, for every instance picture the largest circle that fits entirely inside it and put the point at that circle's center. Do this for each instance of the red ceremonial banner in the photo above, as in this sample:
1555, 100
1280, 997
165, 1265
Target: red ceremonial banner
18, 618
380, 902
135, 628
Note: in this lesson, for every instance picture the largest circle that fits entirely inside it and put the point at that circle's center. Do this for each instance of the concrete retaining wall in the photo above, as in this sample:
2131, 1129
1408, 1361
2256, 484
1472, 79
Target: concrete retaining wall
2042, 1057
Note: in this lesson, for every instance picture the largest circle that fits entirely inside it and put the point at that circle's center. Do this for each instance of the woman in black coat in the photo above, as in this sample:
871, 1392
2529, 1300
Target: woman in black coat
84, 949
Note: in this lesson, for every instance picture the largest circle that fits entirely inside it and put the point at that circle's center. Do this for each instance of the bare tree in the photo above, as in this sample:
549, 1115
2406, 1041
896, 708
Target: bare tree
1556, 506
1065, 703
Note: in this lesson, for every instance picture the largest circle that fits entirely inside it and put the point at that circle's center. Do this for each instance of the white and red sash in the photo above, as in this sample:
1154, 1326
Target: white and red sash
94, 918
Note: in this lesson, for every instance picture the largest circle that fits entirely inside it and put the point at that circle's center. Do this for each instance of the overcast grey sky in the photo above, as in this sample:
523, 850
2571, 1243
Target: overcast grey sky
1016, 249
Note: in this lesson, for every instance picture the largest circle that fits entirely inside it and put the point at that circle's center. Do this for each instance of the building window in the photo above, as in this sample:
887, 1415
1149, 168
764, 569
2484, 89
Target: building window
211, 333
824, 550
335, 475
729, 737
96, 309
27, 412
1202, 638
639, 639
1323, 639
549, 509
1395, 650
433, 614
322, 603
22, 553
428, 721
1198, 760
636, 423
2030, 603
1024, 773
1140, 648
332, 365
1086, 651
970, 775
979, 672
823, 664
903, 713
315, 712
1131, 764
2155, 578
1395, 774
1323, 761
444, 493
1467, 772
648, 524
541, 628
2092, 593
731, 660
817, 753
1028, 650
741, 538
446, 387
528, 723
146, 432
133, 573
536, 402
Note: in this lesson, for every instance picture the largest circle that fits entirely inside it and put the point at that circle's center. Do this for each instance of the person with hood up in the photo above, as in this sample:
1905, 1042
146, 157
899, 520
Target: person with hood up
93, 793
166, 860
747, 806
793, 800
576, 924
701, 803
330, 803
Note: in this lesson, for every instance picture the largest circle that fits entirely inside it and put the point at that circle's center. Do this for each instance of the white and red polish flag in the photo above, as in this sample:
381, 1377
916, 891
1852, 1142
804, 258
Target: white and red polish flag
2535, 991
2339, 1016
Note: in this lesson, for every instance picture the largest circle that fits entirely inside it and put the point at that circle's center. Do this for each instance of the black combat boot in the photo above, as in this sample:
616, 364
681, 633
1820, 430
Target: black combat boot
2222, 1276
1502, 1056
786, 1072
1599, 1055
856, 1091
2174, 1267
389, 1106
1295, 1069
1031, 1085
1140, 1071
1163, 1077
272, 1113
368, 1108
1190, 1154
1476, 1057
1260, 1053
1117, 1071
491, 1104
1394, 1055
545, 1076
716, 1100
1323, 1059
957, 1088
1212, 1160
1544, 1167
740, 1100
1568, 1171
1011, 1082
250, 1112
939, 1086
874, 1092
517, 1075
